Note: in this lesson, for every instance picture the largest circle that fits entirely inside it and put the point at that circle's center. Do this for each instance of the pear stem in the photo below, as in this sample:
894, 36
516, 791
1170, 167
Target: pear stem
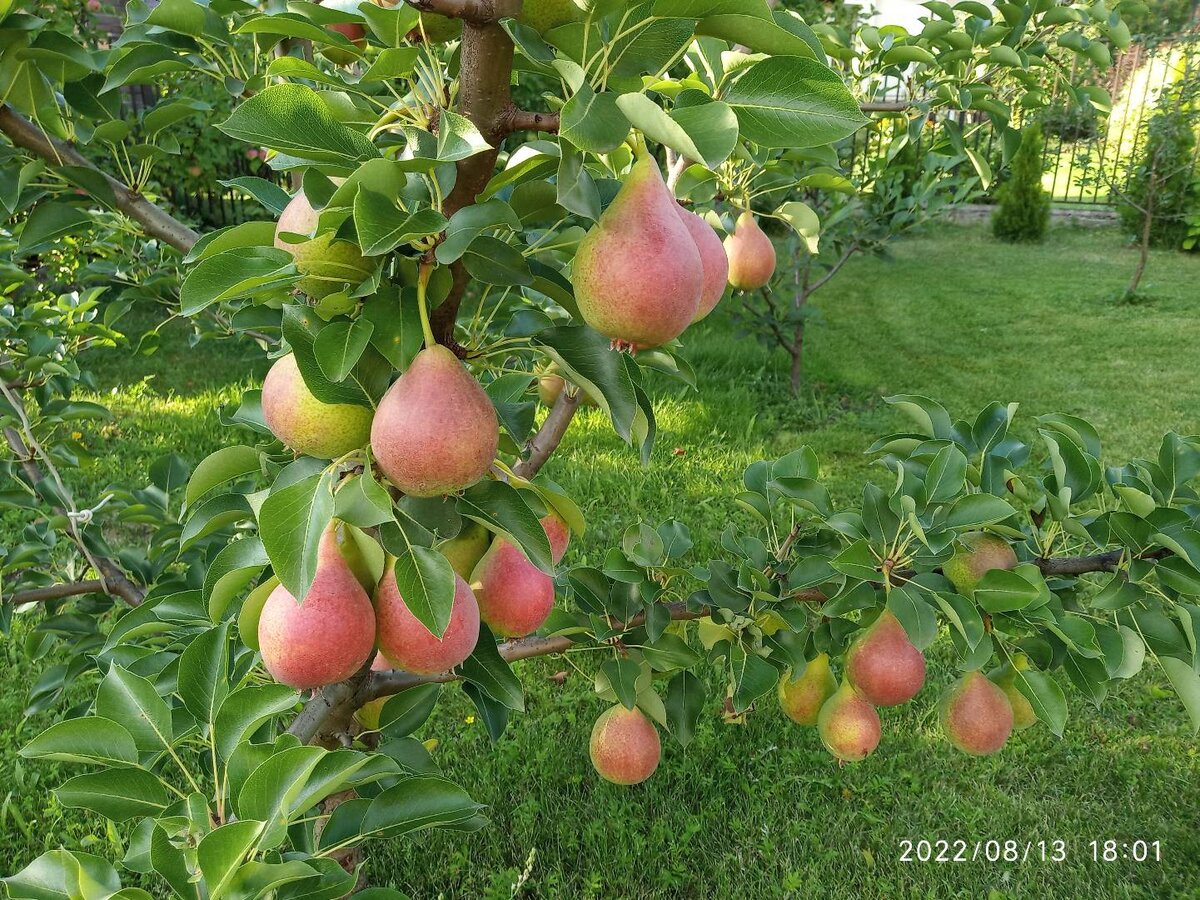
424, 270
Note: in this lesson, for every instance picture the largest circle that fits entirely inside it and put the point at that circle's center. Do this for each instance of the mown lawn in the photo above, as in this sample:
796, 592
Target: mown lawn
761, 810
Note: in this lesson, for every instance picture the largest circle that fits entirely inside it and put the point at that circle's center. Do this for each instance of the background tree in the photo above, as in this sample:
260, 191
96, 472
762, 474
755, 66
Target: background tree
1023, 210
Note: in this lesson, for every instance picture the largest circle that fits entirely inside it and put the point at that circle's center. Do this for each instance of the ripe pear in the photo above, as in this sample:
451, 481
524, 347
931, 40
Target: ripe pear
352, 31
751, 255
409, 645
466, 548
515, 596
327, 263
637, 272
624, 746
551, 385
976, 715
558, 533
883, 665
435, 431
803, 697
1005, 678
713, 260
326, 638
304, 423
542, 15
848, 725
976, 554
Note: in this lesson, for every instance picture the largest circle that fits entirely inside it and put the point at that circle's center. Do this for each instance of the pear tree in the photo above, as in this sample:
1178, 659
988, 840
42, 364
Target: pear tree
383, 532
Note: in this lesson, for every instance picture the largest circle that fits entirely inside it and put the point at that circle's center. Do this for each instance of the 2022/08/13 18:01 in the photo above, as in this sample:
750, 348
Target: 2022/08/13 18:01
1055, 851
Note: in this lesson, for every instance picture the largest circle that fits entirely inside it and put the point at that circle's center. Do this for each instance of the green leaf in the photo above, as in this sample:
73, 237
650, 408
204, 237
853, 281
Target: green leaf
204, 673
427, 583
488, 670
804, 221
340, 345
1045, 696
49, 223
117, 794
225, 465
588, 360
470, 222
916, 615
407, 711
416, 803
272, 197
132, 700
458, 138
501, 508
622, 674
946, 475
220, 853
493, 261
245, 710
292, 119
90, 739
66, 875
754, 676
705, 133
975, 510
685, 705
1186, 683
291, 522
1001, 590
238, 563
593, 122
382, 226
787, 101
235, 274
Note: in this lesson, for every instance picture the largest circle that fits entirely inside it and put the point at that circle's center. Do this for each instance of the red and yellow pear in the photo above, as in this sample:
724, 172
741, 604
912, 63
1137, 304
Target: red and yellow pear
624, 746
713, 260
558, 533
976, 554
305, 424
637, 273
751, 255
515, 596
848, 725
405, 641
883, 664
329, 636
354, 32
327, 262
1005, 678
435, 431
976, 715
801, 698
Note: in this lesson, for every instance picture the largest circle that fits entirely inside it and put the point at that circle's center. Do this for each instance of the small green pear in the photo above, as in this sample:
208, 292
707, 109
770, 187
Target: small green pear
466, 548
542, 15
1005, 678
305, 424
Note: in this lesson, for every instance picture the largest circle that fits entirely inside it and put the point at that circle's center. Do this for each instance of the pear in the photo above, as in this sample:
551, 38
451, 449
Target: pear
624, 746
551, 385
408, 644
327, 263
751, 255
713, 260
883, 665
558, 533
354, 32
465, 549
976, 554
515, 596
1005, 678
803, 697
542, 15
435, 431
976, 715
329, 636
848, 725
637, 272
304, 423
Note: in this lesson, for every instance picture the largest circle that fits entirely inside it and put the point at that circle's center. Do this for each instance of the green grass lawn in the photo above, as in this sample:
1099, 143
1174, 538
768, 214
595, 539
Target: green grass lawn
761, 810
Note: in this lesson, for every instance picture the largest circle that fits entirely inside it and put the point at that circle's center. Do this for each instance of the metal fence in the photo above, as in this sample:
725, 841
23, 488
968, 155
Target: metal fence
1076, 140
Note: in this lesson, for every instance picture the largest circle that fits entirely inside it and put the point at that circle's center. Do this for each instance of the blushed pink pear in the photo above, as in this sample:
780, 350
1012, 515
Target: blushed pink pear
408, 644
326, 638
559, 534
304, 423
637, 273
515, 596
713, 260
624, 746
751, 254
435, 431
976, 715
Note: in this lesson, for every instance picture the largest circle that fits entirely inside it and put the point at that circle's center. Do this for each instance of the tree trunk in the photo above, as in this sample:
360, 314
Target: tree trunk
1147, 226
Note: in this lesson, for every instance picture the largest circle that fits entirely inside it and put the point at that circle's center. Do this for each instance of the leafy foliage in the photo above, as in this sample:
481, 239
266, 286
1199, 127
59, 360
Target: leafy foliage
1023, 213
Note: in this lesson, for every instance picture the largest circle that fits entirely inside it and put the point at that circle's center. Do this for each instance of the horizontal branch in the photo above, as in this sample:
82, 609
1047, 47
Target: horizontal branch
515, 119
478, 12
56, 592
894, 106
155, 221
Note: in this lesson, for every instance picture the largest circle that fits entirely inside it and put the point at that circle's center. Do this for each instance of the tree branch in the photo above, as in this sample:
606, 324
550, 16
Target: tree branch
550, 435
820, 282
156, 222
479, 12
516, 119
56, 592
